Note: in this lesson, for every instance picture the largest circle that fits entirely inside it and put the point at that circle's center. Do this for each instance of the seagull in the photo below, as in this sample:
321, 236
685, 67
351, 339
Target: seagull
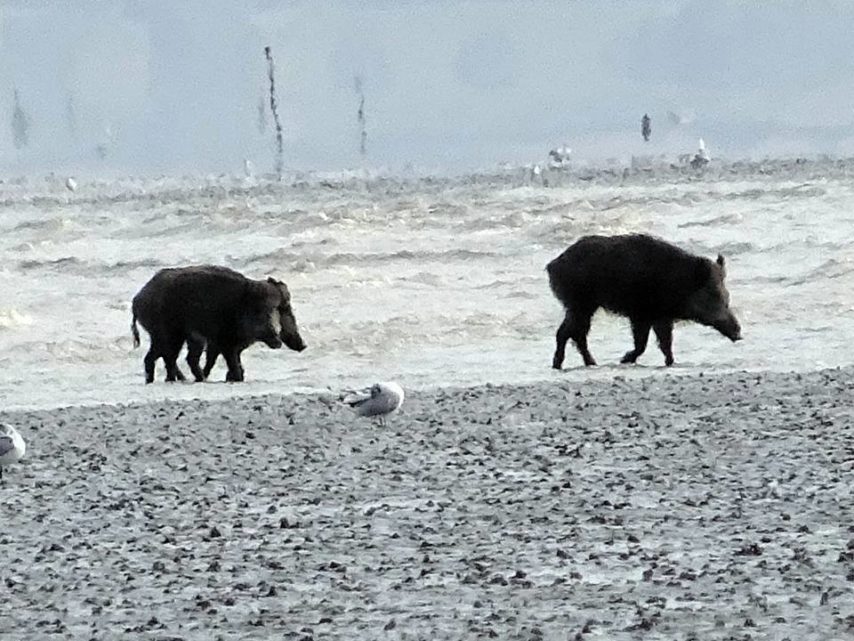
701, 158
380, 400
559, 157
12, 446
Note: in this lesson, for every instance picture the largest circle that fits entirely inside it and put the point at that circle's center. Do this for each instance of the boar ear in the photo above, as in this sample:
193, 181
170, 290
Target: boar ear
255, 289
281, 287
722, 265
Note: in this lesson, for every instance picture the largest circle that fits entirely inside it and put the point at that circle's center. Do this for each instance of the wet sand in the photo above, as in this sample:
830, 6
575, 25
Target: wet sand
667, 507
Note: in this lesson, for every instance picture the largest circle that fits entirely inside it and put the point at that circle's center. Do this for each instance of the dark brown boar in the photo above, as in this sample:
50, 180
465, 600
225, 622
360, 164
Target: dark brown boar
217, 307
646, 279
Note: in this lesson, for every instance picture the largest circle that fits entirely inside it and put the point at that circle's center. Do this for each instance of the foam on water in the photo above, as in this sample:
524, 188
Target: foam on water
432, 281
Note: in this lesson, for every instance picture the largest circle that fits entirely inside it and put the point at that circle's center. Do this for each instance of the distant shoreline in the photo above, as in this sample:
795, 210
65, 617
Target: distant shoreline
665, 167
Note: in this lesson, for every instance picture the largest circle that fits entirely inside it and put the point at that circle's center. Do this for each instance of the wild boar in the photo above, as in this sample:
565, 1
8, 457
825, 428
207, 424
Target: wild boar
646, 279
213, 306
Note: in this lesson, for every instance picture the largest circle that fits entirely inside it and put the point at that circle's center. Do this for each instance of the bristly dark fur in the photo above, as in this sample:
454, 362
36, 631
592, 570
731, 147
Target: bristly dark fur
646, 279
214, 307
634, 275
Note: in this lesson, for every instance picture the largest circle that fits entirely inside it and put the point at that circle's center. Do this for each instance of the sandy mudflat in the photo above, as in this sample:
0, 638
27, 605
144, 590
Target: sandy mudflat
670, 507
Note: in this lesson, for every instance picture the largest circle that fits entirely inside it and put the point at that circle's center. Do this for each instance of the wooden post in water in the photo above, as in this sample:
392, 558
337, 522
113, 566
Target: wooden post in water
275, 112
20, 124
360, 115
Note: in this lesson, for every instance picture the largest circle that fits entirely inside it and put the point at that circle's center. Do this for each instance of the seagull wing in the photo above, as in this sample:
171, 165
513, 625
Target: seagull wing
375, 406
355, 399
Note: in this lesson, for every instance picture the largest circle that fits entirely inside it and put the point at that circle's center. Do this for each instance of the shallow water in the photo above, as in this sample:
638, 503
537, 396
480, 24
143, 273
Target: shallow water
430, 281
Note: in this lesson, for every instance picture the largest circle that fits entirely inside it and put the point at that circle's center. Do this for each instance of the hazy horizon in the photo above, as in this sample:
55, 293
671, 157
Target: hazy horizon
447, 84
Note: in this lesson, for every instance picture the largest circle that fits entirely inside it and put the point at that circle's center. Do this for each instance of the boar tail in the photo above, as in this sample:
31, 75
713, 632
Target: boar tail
134, 331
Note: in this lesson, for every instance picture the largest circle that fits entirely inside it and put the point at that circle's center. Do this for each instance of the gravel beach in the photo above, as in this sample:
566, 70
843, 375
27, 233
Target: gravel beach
664, 507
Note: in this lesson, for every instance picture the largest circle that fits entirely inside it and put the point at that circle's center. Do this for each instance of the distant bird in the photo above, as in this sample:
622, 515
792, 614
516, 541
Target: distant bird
379, 401
701, 158
12, 446
71, 184
559, 157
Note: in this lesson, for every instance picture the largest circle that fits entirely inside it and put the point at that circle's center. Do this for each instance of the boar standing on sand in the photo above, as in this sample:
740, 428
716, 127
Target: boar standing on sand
648, 280
215, 307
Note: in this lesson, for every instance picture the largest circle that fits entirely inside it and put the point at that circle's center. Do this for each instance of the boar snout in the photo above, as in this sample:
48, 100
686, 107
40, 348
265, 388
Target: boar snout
294, 342
730, 328
289, 332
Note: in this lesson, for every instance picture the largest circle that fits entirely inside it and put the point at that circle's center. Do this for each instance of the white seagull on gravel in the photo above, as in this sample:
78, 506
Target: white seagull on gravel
12, 446
380, 400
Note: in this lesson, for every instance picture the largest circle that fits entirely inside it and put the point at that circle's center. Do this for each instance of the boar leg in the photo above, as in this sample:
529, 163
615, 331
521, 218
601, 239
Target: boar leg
150, 360
210, 358
640, 333
173, 372
194, 354
664, 333
170, 357
578, 331
574, 326
235, 368
562, 338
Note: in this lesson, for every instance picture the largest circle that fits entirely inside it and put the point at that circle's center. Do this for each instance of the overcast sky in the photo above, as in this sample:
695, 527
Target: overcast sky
176, 86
